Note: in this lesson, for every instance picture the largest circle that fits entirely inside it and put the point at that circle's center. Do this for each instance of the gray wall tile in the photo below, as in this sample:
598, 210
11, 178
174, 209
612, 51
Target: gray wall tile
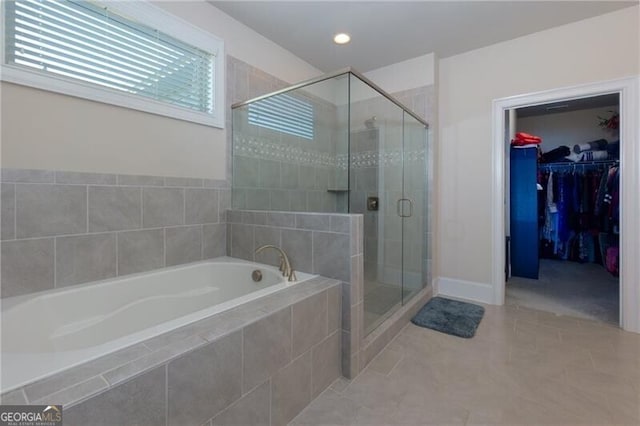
201, 206
287, 220
224, 203
291, 390
183, 181
331, 255
45, 210
140, 251
162, 207
250, 410
297, 244
317, 222
289, 175
267, 235
28, 175
215, 183
205, 381
242, 241
114, 208
257, 199
81, 178
309, 322
183, 245
267, 348
140, 401
340, 224
27, 266
334, 308
8, 201
140, 180
85, 258
269, 174
279, 199
246, 171
214, 240
325, 363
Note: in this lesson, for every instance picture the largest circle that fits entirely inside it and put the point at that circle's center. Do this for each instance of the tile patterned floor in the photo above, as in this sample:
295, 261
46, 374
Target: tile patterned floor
523, 367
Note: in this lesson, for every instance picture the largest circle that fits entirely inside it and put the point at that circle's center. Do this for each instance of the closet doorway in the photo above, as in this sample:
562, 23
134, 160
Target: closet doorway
563, 207
628, 90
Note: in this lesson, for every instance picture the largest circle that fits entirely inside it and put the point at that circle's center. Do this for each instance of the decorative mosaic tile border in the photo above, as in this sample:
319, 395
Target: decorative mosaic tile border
256, 148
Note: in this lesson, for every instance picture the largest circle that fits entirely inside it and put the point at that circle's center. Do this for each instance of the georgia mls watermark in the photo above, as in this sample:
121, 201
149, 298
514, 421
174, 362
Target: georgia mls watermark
30, 415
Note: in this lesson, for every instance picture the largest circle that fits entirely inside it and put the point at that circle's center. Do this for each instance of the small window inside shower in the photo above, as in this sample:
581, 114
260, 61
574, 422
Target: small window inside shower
284, 113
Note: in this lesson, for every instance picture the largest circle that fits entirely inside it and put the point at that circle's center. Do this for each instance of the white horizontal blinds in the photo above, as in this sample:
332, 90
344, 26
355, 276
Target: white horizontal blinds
283, 113
83, 41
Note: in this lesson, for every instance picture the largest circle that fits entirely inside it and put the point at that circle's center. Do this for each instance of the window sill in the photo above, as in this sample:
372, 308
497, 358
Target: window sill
64, 86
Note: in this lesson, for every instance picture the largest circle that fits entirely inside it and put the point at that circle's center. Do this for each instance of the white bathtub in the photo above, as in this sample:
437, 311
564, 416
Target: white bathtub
51, 331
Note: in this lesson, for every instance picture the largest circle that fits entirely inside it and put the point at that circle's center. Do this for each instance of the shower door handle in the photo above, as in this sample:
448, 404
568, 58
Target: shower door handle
400, 207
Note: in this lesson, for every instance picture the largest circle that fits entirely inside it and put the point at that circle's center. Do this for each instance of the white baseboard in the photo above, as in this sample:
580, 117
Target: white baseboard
460, 289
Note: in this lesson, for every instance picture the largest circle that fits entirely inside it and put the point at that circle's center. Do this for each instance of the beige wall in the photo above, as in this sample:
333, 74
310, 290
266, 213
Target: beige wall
44, 130
568, 128
601, 48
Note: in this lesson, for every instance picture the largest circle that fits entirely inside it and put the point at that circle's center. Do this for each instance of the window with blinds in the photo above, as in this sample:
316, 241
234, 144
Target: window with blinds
283, 113
82, 41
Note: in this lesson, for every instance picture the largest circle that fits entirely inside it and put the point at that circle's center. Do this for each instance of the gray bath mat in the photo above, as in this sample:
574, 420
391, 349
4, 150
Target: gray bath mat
450, 316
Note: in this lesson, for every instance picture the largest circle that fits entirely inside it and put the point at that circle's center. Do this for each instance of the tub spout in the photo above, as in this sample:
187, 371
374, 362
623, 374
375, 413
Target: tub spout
285, 264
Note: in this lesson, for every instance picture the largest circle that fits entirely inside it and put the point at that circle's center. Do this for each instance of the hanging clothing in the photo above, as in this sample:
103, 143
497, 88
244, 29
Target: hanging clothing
581, 214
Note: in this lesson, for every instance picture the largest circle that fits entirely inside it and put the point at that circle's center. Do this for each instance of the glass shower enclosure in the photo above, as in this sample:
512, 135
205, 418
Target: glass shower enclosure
340, 144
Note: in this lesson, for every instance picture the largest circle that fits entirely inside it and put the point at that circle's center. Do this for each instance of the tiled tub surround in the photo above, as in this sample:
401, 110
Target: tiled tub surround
328, 244
131, 309
64, 228
259, 363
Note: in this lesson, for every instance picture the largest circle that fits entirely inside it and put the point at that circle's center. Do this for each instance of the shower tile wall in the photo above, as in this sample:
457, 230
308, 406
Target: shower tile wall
278, 171
63, 228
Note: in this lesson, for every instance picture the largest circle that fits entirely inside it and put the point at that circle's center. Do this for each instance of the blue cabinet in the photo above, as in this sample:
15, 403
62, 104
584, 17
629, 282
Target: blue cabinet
524, 213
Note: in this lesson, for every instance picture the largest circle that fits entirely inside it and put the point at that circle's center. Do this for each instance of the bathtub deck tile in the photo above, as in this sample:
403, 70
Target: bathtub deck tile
74, 394
145, 363
277, 301
138, 402
81, 373
251, 409
204, 382
227, 322
273, 333
14, 397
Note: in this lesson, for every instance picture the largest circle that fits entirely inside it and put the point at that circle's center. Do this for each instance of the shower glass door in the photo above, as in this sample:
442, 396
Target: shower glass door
376, 128
413, 207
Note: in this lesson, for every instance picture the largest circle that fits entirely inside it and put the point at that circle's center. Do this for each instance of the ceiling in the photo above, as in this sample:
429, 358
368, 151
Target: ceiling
602, 101
386, 32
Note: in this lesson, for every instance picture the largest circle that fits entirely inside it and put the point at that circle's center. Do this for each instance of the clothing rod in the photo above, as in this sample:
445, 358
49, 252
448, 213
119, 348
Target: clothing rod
582, 163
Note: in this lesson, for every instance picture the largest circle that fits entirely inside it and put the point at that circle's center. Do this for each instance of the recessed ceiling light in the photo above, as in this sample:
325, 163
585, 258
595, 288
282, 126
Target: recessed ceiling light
342, 38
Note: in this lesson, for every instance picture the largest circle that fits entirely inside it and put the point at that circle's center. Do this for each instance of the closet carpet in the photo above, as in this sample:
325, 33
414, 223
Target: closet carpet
523, 367
569, 288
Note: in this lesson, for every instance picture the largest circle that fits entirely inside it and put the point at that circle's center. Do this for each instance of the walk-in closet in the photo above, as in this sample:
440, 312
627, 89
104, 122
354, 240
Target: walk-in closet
563, 208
